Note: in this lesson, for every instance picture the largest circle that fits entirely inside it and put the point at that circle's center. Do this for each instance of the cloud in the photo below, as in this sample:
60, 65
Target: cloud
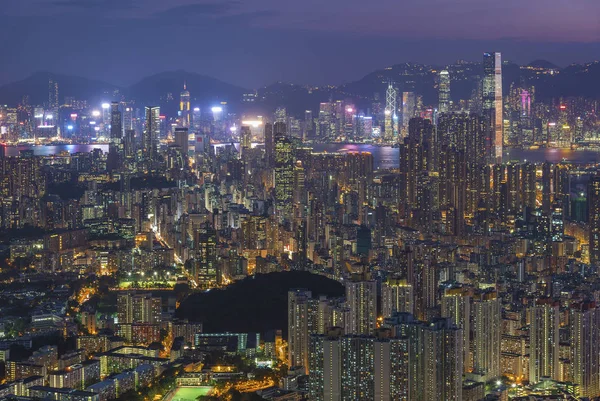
94, 4
198, 9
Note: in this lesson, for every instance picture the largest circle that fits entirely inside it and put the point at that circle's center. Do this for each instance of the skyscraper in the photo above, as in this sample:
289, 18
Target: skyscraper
151, 133
361, 298
543, 340
196, 119
391, 369
369, 368
593, 198
390, 117
396, 296
182, 140
284, 174
298, 327
456, 305
116, 125
357, 368
184, 107
492, 105
53, 95
207, 274
115, 149
486, 333
325, 367
585, 348
129, 145
409, 108
269, 144
435, 359
128, 122
245, 138
444, 91
138, 308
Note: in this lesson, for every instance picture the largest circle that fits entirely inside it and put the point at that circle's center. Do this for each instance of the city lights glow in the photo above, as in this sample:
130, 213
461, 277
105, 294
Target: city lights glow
252, 123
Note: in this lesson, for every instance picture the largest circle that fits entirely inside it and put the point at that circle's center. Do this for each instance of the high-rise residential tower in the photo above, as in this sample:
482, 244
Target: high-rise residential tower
593, 198
486, 333
298, 327
361, 297
543, 340
585, 348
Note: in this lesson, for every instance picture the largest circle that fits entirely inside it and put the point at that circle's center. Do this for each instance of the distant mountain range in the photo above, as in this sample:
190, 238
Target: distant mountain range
163, 89
35, 87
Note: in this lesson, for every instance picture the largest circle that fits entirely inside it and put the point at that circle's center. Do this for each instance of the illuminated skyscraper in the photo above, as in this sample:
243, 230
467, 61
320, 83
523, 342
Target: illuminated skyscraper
182, 140
129, 145
128, 122
151, 133
245, 138
184, 107
585, 348
361, 298
281, 115
456, 305
350, 116
409, 108
593, 197
115, 149
284, 174
196, 119
326, 127
492, 105
269, 144
138, 308
390, 129
299, 181
53, 95
298, 327
486, 330
309, 125
361, 368
116, 125
543, 340
435, 360
391, 369
357, 368
396, 296
207, 274
325, 367
444, 92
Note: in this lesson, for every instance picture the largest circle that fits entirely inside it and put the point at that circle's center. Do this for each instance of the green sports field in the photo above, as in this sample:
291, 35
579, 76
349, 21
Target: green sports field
190, 393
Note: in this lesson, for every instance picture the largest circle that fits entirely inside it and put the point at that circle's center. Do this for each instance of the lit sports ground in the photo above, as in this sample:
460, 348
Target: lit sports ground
187, 393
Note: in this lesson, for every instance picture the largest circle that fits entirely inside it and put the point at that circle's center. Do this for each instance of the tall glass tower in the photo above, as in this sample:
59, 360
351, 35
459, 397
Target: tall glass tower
492, 105
444, 92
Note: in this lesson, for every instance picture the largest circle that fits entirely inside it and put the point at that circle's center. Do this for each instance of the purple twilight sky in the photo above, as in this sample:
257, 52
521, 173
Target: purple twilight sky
256, 42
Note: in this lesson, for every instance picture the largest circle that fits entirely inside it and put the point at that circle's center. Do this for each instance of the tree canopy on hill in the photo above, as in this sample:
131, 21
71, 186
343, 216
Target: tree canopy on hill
255, 304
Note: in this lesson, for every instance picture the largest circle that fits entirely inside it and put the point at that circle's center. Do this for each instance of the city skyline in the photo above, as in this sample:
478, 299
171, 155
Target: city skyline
428, 231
